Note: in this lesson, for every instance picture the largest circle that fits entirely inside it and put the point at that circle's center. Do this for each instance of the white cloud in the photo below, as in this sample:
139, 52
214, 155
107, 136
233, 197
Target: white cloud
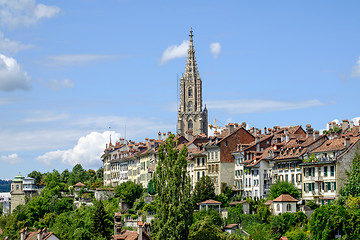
14, 13
59, 84
215, 49
8, 46
356, 120
356, 69
175, 51
87, 151
260, 105
11, 159
11, 75
72, 59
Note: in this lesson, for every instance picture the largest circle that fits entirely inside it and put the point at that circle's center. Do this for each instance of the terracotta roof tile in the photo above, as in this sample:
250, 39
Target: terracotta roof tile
210, 201
285, 198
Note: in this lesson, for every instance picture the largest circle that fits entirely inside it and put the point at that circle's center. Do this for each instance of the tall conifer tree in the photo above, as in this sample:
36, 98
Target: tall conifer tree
174, 207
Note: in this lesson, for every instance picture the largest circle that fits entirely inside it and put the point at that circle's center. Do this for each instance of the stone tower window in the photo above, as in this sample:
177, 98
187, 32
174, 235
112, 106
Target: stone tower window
190, 92
190, 106
190, 125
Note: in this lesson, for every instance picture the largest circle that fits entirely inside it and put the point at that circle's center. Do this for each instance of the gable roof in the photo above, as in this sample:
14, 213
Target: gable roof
285, 198
210, 201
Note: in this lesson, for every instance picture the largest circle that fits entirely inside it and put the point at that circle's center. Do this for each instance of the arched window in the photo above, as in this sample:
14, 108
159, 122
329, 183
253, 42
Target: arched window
278, 207
190, 124
288, 207
190, 106
190, 93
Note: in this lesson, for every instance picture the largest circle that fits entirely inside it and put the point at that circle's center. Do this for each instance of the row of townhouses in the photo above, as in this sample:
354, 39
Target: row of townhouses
246, 159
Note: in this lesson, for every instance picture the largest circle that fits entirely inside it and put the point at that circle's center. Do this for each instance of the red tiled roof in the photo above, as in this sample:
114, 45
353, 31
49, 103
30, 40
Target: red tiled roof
79, 184
229, 226
285, 198
209, 201
268, 202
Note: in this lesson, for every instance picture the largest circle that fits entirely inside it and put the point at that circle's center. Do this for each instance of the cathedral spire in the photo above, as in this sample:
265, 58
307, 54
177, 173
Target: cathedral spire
191, 70
192, 120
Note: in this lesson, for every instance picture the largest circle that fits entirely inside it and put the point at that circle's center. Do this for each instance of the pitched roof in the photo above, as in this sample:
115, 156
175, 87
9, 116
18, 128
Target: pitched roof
285, 198
237, 202
209, 201
336, 144
230, 226
79, 184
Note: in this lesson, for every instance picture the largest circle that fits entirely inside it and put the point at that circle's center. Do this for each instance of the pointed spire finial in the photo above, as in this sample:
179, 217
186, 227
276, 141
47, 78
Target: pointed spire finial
191, 35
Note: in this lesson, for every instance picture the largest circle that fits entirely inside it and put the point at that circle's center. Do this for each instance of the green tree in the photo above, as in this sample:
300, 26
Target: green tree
328, 221
204, 190
150, 188
1, 209
174, 206
205, 230
64, 177
352, 186
129, 192
101, 224
283, 187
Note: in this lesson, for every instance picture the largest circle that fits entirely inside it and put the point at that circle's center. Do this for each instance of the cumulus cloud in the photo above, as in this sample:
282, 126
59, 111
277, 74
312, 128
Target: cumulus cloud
59, 84
11, 75
76, 59
87, 151
356, 69
174, 51
11, 159
14, 13
356, 120
8, 46
215, 49
260, 105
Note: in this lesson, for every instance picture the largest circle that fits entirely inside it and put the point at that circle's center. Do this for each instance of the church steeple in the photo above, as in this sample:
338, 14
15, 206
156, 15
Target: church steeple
191, 117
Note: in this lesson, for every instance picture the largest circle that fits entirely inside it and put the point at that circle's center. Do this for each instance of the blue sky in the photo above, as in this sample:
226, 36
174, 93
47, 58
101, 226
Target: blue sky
74, 72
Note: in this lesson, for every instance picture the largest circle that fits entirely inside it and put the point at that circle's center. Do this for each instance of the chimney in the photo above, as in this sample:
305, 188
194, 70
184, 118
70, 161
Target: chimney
39, 235
331, 125
257, 141
147, 143
352, 124
23, 233
287, 138
159, 135
316, 134
265, 130
168, 134
345, 124
347, 142
164, 136
140, 230
309, 131
243, 124
231, 128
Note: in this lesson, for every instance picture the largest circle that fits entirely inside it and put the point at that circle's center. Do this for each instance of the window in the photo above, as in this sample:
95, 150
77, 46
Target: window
190, 106
17, 186
212, 155
198, 176
190, 125
332, 170
203, 161
190, 93
278, 207
288, 207
325, 171
198, 162
334, 186
203, 173
292, 178
328, 186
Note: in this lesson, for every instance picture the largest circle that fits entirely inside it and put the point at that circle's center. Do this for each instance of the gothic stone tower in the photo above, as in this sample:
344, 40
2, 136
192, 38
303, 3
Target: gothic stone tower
192, 119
